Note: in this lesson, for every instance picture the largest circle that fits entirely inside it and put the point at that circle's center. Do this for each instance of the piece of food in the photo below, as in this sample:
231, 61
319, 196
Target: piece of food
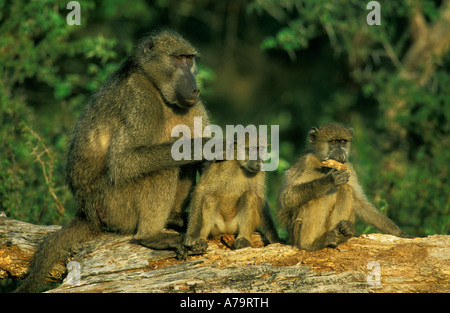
334, 164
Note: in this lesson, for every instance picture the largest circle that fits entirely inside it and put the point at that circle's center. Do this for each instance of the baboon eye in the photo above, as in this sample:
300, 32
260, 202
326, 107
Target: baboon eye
189, 57
179, 57
333, 142
343, 142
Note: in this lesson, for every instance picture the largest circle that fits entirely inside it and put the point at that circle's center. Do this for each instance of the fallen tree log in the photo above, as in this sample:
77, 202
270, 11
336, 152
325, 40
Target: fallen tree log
369, 263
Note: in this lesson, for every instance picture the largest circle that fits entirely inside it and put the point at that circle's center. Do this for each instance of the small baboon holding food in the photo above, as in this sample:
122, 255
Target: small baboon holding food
230, 199
317, 203
119, 165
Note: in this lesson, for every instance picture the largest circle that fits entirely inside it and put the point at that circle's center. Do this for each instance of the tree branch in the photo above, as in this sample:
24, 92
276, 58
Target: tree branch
112, 264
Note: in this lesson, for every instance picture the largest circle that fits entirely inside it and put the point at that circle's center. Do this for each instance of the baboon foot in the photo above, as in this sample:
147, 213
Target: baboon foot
242, 243
346, 228
165, 240
331, 239
341, 233
196, 245
182, 253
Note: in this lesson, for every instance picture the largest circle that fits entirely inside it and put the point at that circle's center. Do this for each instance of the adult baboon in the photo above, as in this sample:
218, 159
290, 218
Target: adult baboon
230, 199
318, 204
119, 165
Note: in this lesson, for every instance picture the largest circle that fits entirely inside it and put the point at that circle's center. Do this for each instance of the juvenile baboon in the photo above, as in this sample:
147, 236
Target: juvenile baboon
119, 165
230, 199
318, 204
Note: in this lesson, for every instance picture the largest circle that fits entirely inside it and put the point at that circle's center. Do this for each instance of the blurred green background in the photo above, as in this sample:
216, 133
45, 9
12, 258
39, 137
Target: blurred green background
295, 64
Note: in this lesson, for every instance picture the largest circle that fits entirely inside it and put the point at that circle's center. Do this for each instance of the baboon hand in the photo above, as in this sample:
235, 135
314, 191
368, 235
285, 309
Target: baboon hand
338, 177
196, 245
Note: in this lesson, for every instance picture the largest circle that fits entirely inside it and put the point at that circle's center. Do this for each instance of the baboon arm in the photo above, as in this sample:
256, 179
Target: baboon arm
134, 161
201, 216
195, 222
370, 215
267, 225
297, 195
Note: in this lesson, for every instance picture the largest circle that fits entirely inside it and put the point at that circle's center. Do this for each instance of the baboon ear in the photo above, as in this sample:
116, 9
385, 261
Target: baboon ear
148, 45
351, 130
312, 134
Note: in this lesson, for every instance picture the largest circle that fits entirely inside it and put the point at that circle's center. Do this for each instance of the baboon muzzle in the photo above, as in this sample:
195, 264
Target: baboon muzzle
188, 91
254, 165
339, 156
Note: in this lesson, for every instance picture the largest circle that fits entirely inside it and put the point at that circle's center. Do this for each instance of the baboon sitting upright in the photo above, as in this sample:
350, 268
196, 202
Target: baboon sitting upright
119, 165
318, 204
230, 199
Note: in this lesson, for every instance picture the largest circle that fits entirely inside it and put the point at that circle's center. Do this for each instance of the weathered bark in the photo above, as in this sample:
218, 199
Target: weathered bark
112, 264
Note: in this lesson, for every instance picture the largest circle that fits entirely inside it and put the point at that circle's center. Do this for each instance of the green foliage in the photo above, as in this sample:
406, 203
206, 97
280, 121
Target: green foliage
204, 77
36, 46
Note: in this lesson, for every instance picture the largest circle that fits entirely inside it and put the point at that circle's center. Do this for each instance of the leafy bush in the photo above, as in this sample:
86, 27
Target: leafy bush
37, 46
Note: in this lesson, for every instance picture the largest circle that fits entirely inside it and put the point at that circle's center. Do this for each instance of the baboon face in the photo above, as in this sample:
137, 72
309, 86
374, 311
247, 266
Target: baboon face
247, 152
168, 61
251, 166
338, 149
331, 141
252, 162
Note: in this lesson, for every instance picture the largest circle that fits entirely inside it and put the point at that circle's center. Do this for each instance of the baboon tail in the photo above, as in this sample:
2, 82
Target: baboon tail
53, 249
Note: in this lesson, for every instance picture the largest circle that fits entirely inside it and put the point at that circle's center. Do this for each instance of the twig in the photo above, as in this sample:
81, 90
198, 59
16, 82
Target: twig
47, 167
